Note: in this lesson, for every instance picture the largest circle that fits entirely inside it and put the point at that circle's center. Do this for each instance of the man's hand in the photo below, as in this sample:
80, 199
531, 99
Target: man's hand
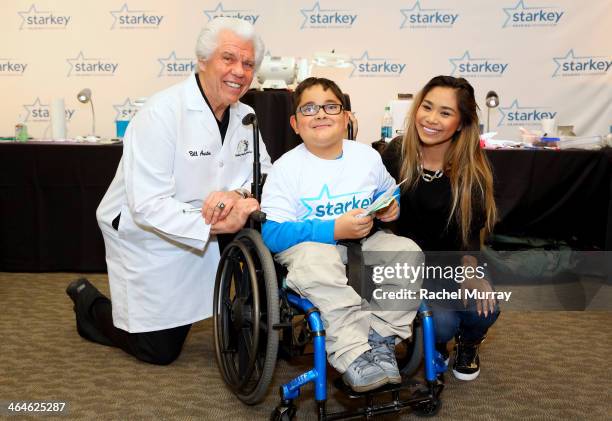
390, 213
236, 219
351, 227
212, 211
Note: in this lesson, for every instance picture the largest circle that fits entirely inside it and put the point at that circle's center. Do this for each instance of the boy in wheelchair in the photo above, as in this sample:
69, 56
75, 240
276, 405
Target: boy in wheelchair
314, 197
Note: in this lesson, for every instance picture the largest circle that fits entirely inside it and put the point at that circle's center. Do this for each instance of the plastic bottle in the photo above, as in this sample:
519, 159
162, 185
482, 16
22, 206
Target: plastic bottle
386, 129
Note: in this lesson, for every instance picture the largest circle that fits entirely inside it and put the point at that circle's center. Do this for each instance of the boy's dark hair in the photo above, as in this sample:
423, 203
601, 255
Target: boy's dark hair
314, 81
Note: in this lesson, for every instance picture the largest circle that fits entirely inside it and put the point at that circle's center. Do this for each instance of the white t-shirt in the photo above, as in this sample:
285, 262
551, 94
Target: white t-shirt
302, 186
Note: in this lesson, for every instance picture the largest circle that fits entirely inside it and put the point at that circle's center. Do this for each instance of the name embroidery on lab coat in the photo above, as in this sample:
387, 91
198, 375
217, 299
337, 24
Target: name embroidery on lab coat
201, 153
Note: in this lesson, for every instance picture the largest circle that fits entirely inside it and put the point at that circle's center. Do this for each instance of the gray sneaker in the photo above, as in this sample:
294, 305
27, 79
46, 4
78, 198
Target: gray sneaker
364, 375
383, 354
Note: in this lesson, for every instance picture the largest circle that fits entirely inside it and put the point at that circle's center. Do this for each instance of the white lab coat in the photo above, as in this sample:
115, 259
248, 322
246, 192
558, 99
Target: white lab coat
162, 262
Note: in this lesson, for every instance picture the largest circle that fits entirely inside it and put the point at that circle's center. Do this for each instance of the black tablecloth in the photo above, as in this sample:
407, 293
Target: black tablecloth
49, 194
48, 200
563, 195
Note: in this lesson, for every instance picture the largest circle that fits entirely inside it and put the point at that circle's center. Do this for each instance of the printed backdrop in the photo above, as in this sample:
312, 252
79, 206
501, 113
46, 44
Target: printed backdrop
545, 58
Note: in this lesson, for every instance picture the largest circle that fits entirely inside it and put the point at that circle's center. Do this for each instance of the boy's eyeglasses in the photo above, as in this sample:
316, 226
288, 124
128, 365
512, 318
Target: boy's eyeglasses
313, 109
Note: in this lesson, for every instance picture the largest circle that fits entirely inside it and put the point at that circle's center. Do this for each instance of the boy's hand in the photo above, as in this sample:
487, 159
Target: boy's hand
351, 227
390, 213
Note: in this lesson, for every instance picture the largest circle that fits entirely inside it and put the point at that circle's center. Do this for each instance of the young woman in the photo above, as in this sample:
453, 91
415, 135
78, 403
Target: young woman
446, 201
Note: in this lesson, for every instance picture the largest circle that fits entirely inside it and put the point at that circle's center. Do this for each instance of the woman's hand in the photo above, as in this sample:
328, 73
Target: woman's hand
484, 306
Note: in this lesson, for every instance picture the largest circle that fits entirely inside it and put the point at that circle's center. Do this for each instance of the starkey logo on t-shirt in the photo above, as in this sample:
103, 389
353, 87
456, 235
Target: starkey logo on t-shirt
326, 205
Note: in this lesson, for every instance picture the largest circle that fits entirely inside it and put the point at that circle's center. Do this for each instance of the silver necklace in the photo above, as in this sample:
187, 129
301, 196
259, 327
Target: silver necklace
431, 177
428, 178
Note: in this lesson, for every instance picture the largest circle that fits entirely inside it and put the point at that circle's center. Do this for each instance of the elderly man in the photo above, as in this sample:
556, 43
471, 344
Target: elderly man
186, 149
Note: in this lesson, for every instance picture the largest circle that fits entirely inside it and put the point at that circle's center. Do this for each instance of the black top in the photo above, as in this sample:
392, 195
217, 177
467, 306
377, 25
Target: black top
425, 210
224, 123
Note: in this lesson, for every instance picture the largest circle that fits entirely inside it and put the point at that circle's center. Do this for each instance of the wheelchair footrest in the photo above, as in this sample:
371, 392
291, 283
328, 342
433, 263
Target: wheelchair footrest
407, 384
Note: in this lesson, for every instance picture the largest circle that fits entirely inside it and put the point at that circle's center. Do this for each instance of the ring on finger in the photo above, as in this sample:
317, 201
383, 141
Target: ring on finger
221, 205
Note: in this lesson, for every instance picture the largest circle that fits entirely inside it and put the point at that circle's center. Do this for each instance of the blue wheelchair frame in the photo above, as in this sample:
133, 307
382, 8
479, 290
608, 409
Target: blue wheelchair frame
425, 404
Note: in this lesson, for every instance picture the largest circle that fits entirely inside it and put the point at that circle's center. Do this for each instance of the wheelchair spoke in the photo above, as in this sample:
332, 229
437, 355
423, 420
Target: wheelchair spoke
244, 351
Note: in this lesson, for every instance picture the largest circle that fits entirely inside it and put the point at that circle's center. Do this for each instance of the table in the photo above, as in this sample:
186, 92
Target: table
48, 200
49, 195
564, 195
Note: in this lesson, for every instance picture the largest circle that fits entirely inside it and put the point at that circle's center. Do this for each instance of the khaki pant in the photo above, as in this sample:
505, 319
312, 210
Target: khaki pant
317, 272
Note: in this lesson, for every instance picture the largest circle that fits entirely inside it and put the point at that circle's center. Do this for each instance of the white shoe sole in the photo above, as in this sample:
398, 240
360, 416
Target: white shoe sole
465, 377
368, 387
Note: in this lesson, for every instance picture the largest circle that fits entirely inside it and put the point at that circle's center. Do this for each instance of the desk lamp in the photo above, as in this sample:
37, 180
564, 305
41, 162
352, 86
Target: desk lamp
492, 101
84, 96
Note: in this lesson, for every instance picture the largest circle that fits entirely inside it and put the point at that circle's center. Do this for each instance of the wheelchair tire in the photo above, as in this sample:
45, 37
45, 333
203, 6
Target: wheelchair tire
412, 356
245, 310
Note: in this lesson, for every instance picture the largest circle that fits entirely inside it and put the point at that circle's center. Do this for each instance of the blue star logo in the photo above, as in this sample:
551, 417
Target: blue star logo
365, 57
316, 9
513, 107
559, 60
70, 61
172, 58
407, 12
128, 108
509, 11
31, 11
570, 56
123, 11
464, 57
35, 105
323, 195
219, 11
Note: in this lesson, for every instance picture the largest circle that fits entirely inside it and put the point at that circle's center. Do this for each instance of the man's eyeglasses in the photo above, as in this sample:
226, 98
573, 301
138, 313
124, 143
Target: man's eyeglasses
313, 109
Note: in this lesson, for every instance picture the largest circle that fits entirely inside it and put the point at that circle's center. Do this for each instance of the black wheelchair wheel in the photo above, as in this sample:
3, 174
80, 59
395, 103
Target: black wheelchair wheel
245, 310
410, 354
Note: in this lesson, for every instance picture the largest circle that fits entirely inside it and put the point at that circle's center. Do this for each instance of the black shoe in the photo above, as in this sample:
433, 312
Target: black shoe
75, 287
443, 350
83, 294
467, 363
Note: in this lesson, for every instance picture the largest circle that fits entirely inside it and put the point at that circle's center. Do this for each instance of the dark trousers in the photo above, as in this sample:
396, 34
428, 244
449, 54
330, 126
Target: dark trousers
95, 323
460, 321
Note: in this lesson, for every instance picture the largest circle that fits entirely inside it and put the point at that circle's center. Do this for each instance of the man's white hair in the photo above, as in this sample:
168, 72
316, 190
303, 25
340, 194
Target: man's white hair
208, 39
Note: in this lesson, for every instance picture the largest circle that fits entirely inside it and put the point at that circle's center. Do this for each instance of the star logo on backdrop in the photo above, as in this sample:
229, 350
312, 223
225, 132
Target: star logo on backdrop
465, 57
504, 111
408, 12
35, 105
31, 11
570, 57
560, 60
71, 61
323, 195
365, 57
510, 10
316, 10
126, 110
219, 11
180, 62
